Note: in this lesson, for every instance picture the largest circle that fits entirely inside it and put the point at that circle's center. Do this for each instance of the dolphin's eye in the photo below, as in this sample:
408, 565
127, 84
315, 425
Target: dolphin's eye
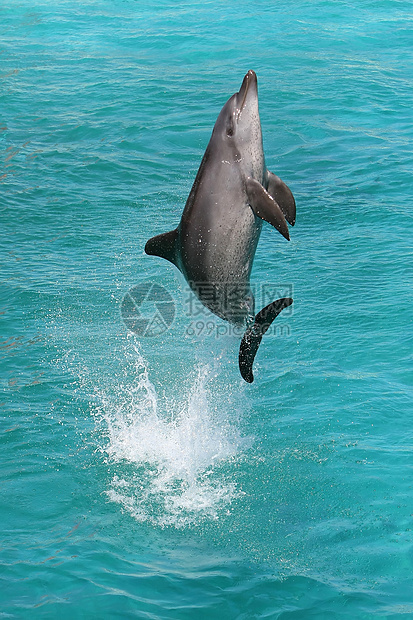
230, 127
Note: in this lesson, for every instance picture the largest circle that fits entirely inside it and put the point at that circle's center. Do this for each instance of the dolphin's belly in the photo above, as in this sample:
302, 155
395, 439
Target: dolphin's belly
217, 259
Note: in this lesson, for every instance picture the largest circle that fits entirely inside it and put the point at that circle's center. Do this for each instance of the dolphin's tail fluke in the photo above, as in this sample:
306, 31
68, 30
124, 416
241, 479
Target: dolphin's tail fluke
253, 336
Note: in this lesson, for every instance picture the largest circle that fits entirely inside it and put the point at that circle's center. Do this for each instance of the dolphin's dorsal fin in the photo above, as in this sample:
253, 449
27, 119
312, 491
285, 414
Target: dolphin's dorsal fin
165, 246
282, 195
253, 336
265, 207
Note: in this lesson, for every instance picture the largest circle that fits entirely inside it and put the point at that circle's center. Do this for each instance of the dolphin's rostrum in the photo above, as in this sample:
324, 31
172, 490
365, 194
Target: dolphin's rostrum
215, 242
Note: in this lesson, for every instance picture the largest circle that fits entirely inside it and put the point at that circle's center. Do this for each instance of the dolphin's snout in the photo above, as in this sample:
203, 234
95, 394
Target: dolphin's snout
250, 79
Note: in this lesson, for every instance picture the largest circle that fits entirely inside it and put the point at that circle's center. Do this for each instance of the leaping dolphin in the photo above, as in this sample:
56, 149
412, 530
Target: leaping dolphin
215, 242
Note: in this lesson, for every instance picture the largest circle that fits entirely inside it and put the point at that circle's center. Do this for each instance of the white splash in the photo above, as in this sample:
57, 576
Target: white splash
170, 457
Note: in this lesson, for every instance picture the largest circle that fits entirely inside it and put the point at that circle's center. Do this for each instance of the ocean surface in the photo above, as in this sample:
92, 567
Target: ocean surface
141, 477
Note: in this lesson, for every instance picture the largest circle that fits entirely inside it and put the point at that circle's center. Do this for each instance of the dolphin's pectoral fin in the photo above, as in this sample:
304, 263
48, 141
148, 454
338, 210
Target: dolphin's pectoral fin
282, 196
265, 207
164, 246
253, 336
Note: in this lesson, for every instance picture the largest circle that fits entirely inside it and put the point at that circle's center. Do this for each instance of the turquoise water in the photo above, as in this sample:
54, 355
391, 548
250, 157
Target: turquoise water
140, 476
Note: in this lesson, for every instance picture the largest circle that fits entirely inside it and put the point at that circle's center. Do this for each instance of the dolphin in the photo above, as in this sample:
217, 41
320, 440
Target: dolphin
215, 242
